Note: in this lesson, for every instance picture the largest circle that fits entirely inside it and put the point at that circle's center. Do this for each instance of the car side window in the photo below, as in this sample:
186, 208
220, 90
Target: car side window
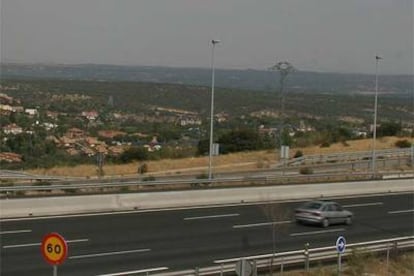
338, 207
333, 207
330, 208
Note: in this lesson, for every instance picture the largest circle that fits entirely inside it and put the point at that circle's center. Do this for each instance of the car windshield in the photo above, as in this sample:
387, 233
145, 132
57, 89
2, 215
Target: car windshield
312, 205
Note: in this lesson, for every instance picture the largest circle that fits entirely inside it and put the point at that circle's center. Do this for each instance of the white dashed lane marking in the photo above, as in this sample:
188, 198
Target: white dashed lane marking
15, 232
109, 253
38, 244
212, 216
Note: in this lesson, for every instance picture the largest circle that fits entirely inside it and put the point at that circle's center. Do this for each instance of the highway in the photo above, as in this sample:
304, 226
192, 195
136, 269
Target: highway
187, 238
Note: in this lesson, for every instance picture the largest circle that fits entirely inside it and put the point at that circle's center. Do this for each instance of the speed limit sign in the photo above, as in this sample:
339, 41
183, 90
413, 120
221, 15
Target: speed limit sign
54, 249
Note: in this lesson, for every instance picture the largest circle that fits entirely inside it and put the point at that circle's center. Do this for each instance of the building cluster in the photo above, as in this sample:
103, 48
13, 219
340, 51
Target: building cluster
78, 141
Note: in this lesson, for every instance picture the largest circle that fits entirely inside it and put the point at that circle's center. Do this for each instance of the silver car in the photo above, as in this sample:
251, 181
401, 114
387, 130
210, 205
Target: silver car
322, 212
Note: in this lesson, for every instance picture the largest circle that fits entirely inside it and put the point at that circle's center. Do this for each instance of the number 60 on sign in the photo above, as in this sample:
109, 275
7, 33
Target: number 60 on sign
54, 249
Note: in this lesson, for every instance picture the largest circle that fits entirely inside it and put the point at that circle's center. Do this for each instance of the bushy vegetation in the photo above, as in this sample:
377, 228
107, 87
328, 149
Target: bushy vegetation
403, 144
298, 154
141, 103
306, 170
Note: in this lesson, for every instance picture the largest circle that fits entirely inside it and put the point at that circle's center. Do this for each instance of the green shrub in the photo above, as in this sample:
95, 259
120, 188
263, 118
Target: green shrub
125, 189
42, 183
403, 143
325, 145
202, 176
70, 191
149, 178
298, 153
306, 170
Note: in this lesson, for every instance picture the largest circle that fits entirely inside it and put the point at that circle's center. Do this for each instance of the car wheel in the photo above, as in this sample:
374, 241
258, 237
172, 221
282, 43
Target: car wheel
348, 221
325, 223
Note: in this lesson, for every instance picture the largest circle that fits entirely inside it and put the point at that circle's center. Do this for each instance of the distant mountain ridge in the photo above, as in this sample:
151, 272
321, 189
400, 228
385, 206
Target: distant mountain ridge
237, 79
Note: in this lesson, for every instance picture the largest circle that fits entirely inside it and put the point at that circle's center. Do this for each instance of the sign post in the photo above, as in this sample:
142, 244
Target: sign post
54, 250
244, 268
340, 248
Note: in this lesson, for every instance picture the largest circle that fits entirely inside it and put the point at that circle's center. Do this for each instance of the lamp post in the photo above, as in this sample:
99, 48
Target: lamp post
374, 134
210, 159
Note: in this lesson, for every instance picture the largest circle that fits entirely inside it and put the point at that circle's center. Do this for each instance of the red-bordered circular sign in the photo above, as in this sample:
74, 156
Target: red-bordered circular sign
54, 249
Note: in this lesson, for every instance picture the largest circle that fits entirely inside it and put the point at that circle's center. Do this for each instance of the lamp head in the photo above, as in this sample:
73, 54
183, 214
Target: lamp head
215, 41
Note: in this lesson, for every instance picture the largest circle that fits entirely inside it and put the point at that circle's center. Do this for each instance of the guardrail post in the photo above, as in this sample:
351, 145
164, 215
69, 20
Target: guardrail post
395, 247
197, 271
388, 256
254, 273
281, 266
306, 253
221, 269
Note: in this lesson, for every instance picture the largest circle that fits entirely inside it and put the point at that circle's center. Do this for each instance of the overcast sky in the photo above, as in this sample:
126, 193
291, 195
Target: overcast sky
315, 35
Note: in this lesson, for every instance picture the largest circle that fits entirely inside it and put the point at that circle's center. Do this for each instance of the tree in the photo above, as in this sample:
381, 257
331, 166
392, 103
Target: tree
276, 216
203, 147
240, 140
134, 153
388, 129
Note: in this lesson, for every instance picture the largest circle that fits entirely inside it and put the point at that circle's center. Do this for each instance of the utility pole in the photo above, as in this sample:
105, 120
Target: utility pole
284, 68
210, 156
374, 134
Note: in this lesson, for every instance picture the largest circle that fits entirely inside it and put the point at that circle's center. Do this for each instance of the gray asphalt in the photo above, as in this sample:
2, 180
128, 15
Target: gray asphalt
185, 239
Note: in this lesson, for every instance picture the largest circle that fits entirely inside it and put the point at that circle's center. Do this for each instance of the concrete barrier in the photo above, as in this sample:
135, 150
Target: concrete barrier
145, 201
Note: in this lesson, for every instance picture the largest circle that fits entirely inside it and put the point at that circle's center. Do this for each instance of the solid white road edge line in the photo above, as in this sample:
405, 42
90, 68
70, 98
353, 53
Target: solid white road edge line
363, 204
135, 271
109, 253
401, 211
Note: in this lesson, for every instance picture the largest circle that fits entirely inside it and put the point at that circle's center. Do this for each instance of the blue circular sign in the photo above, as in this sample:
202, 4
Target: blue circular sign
340, 244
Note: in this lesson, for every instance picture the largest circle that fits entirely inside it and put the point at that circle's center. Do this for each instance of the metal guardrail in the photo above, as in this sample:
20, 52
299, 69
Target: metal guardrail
297, 257
269, 179
351, 156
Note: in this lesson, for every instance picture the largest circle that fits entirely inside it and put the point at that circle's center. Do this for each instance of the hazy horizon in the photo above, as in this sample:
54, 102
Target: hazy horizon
331, 36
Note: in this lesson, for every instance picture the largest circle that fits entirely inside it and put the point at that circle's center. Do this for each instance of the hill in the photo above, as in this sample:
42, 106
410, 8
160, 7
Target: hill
264, 80
144, 97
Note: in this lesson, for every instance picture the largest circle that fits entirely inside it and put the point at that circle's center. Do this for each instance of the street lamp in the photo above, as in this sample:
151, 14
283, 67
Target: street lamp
210, 159
374, 134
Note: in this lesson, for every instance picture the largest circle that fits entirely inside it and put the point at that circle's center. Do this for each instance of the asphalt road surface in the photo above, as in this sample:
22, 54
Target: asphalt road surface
189, 238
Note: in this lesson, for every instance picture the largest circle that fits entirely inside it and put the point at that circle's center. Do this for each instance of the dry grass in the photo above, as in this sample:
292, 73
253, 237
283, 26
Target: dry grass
237, 161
